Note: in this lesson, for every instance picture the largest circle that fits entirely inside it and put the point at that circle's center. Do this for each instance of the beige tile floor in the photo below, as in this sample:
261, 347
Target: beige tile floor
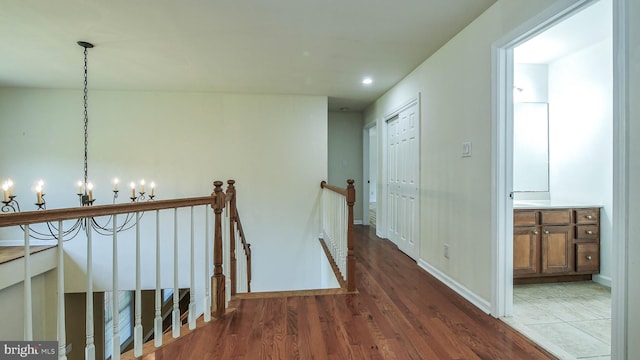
570, 320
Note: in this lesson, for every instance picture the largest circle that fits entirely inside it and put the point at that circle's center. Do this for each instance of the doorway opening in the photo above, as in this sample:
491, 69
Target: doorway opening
561, 70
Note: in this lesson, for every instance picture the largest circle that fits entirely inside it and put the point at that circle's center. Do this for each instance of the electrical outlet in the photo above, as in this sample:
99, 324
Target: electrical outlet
446, 251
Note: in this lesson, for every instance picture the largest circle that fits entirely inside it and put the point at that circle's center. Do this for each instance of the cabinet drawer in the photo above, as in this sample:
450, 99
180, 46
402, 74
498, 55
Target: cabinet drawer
524, 218
588, 258
555, 217
587, 232
587, 216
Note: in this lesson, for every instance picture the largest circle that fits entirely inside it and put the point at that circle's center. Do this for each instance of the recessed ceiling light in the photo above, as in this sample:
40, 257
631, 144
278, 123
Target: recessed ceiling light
367, 81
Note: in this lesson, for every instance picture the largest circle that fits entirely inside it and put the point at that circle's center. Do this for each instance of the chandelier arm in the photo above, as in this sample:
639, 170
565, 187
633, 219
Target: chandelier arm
8, 208
106, 231
94, 223
53, 230
125, 226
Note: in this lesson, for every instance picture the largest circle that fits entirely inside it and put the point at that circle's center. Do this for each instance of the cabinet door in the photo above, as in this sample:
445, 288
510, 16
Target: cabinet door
526, 242
557, 254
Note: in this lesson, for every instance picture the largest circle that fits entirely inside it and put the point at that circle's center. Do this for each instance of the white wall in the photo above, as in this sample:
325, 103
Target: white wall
580, 136
455, 87
43, 289
532, 79
274, 146
345, 154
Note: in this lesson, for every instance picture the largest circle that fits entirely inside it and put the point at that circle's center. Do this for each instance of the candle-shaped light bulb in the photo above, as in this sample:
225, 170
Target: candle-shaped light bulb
142, 186
153, 188
10, 187
41, 183
79, 187
133, 190
39, 193
115, 184
5, 190
90, 188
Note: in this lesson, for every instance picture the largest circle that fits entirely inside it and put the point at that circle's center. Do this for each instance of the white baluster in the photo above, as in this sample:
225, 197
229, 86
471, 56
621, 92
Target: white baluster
176, 296
137, 330
207, 274
28, 307
157, 322
192, 275
62, 339
116, 309
90, 348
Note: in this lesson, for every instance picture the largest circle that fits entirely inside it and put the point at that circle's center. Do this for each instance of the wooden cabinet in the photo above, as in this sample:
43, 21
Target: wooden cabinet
555, 244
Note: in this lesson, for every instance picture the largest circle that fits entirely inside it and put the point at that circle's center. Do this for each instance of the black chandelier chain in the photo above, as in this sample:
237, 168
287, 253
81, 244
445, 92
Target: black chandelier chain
86, 120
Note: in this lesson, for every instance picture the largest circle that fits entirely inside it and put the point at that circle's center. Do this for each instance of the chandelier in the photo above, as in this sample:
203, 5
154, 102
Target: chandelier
84, 193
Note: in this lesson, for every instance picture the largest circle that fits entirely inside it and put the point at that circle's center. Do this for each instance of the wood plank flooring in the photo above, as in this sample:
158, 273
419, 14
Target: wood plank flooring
400, 312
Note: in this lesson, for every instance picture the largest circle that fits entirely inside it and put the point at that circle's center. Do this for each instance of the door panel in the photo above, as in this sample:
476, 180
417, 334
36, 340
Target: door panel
403, 173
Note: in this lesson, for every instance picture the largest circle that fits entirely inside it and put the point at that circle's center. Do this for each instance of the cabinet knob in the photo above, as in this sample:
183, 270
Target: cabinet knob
588, 257
546, 231
535, 232
589, 217
589, 232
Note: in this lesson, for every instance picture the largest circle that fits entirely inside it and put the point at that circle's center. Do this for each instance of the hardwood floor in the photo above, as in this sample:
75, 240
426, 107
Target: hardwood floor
400, 312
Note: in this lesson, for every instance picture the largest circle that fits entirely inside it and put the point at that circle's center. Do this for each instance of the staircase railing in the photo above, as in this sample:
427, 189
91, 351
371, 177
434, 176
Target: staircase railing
214, 298
337, 231
240, 267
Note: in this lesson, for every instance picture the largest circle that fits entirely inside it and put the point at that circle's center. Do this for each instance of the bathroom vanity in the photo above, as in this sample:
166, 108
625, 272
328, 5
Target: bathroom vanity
555, 242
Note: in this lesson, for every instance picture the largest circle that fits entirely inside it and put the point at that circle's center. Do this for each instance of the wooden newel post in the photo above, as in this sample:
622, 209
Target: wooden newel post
351, 256
231, 193
218, 280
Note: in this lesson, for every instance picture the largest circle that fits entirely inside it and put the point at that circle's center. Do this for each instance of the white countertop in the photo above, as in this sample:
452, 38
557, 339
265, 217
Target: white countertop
550, 204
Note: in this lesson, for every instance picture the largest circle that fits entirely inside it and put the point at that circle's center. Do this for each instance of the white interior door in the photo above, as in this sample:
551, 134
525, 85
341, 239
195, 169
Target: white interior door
402, 177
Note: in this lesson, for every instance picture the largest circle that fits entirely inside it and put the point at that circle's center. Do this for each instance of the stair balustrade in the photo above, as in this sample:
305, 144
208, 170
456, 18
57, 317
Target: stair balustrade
240, 266
337, 230
215, 296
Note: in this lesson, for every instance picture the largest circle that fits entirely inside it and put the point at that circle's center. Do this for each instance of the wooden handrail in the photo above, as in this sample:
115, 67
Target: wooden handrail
247, 249
52, 215
350, 197
234, 223
341, 191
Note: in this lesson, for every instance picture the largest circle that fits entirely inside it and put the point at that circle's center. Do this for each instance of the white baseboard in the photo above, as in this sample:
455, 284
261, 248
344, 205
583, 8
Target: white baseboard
357, 222
602, 280
472, 297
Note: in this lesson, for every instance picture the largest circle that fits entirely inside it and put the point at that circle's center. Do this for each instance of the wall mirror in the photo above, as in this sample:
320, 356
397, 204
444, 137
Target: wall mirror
530, 147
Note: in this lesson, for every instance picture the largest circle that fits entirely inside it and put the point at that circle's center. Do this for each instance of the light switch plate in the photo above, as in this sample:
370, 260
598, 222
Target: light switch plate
466, 149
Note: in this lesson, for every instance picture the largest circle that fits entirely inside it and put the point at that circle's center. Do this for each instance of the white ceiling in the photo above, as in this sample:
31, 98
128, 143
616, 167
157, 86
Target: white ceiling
250, 46
585, 28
